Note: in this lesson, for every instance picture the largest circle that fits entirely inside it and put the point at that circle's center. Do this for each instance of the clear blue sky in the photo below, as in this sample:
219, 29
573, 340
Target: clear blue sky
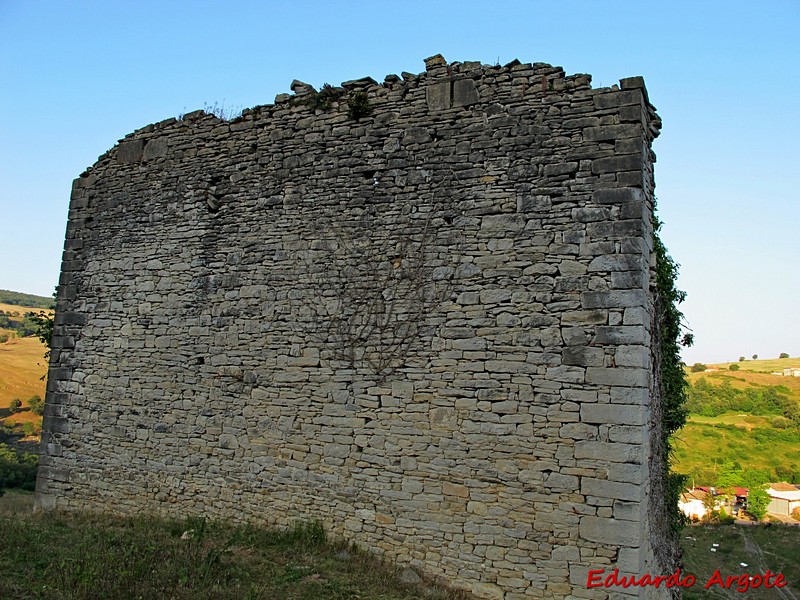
77, 76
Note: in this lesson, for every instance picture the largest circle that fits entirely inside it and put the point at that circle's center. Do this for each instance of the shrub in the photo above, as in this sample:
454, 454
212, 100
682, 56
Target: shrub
734, 367
324, 98
358, 106
37, 405
698, 368
15, 405
757, 502
741, 359
3, 338
17, 470
796, 514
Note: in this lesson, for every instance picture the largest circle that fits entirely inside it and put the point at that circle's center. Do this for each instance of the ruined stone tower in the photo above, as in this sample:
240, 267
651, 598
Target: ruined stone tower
420, 312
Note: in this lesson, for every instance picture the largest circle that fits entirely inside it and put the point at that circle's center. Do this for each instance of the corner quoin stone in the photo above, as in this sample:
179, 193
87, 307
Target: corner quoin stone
430, 329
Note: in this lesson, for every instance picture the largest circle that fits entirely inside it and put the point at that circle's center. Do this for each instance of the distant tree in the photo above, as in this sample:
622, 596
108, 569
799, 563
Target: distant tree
754, 478
28, 326
741, 359
710, 504
755, 356
15, 405
724, 517
784, 355
757, 502
730, 475
734, 367
37, 405
17, 470
3, 338
698, 368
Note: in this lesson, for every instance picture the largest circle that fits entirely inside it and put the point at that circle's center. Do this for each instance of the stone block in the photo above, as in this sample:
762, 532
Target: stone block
621, 334
618, 195
611, 452
611, 489
613, 414
617, 376
601, 530
615, 164
617, 99
155, 148
614, 299
438, 96
403, 389
617, 262
611, 132
560, 169
130, 151
584, 317
454, 489
503, 223
629, 560
488, 591
632, 356
465, 93
526, 204
583, 356
567, 374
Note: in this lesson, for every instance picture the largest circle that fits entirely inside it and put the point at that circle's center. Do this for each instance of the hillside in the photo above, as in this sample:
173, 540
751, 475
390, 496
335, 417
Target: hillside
28, 301
22, 362
747, 416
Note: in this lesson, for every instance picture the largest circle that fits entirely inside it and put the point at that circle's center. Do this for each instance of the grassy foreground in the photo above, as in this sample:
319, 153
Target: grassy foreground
59, 557
776, 548
75, 557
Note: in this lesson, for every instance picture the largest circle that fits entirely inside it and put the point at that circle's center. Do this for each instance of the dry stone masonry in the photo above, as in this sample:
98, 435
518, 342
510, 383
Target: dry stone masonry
420, 312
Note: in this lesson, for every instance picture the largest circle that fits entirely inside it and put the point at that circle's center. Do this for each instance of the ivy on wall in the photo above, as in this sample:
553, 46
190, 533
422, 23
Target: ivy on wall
673, 378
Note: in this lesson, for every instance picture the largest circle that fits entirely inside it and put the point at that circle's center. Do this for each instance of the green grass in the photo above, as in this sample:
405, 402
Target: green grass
708, 441
760, 365
775, 548
765, 442
81, 556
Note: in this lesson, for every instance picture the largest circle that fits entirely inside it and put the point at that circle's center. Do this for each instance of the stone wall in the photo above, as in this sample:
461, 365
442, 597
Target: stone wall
418, 311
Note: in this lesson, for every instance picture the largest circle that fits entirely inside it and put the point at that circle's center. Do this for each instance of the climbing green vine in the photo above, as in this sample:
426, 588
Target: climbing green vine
673, 379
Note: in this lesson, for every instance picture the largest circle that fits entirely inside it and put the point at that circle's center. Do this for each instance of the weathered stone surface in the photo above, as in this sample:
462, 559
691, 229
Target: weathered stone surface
130, 151
618, 195
428, 329
438, 96
622, 414
597, 529
465, 93
612, 132
155, 148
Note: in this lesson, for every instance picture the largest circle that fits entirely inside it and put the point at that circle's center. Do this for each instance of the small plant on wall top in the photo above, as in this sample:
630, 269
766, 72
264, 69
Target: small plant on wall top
358, 106
324, 98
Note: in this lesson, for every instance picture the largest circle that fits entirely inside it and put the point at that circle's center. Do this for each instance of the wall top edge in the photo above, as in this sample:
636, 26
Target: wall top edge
553, 80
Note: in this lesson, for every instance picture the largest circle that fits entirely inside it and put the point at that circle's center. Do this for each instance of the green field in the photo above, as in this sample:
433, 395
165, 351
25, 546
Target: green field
766, 437
706, 442
766, 365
